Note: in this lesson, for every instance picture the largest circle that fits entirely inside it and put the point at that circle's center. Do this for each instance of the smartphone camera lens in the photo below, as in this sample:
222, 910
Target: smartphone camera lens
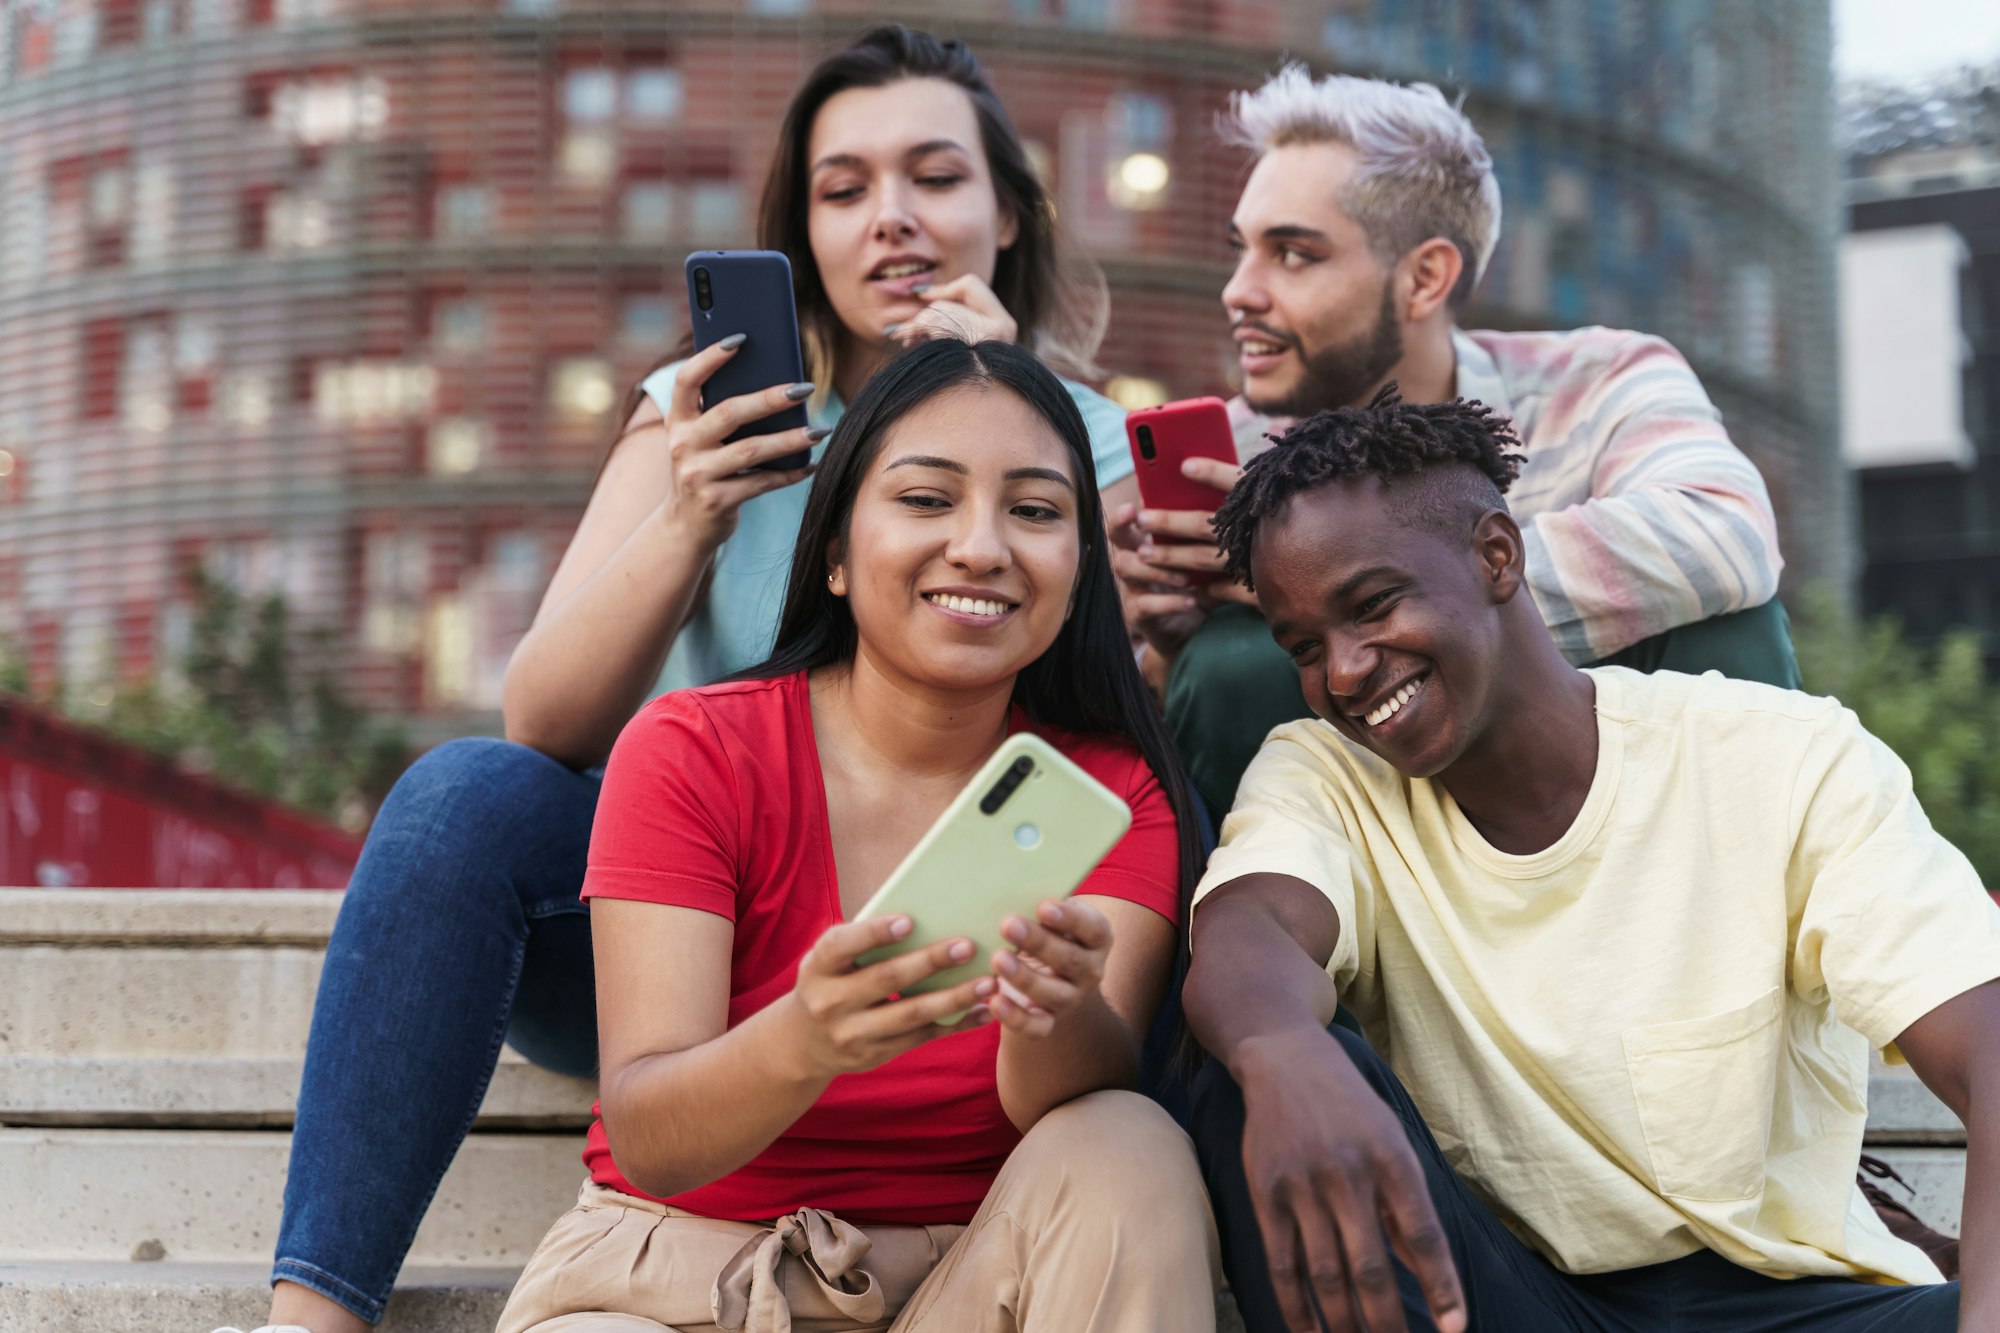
1004, 788
1146, 451
703, 295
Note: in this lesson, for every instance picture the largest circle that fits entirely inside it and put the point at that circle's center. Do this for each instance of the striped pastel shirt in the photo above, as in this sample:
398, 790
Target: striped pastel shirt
1637, 511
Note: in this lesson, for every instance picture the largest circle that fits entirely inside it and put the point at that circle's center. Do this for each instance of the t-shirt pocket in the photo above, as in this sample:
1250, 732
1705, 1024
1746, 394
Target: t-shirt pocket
1704, 1088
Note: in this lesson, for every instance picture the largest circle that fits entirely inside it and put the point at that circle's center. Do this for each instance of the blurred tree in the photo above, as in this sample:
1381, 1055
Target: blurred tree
1934, 707
232, 708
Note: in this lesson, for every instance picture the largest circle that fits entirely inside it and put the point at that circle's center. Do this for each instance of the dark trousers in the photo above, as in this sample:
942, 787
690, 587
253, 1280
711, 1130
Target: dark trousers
1509, 1286
1231, 684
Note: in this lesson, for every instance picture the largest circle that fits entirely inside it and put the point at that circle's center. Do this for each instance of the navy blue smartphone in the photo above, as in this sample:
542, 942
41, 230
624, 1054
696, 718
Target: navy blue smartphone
749, 292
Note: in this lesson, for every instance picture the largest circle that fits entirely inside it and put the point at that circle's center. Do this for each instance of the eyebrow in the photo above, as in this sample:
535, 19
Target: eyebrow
952, 465
920, 150
1280, 628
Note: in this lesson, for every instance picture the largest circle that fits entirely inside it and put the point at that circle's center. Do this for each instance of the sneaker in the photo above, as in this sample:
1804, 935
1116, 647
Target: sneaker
1902, 1223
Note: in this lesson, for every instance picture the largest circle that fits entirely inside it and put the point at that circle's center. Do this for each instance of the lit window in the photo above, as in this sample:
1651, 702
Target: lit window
590, 96
588, 156
331, 110
653, 95
373, 391
153, 212
646, 212
715, 208
459, 324
645, 321
106, 206
395, 572
297, 222
448, 646
581, 387
247, 399
464, 210
457, 446
146, 382
1133, 392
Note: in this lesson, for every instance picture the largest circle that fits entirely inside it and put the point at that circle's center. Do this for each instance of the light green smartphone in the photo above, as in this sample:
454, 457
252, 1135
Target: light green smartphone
1029, 826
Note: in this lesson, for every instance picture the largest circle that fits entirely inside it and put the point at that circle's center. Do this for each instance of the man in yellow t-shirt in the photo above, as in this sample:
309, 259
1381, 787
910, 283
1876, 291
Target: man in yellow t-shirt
1620, 945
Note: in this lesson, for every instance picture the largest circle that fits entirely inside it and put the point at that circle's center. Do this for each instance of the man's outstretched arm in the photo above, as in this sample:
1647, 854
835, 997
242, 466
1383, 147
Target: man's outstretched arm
1328, 1164
1955, 1049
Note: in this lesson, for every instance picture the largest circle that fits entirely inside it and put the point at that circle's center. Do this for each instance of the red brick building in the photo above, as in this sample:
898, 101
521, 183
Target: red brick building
335, 294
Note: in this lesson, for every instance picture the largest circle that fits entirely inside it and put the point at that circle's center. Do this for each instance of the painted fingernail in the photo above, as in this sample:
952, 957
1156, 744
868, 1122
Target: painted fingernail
818, 433
900, 927
799, 391
920, 288
960, 951
889, 331
733, 341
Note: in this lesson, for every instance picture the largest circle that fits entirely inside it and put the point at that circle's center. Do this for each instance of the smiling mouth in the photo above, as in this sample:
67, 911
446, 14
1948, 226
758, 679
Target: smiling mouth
1394, 704
969, 606
1250, 348
906, 269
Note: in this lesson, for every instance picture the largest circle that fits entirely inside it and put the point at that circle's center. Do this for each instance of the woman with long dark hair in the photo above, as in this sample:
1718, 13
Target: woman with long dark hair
903, 196
786, 1134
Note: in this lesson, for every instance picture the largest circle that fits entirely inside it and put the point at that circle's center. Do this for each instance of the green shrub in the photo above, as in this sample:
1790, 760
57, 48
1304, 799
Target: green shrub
1933, 706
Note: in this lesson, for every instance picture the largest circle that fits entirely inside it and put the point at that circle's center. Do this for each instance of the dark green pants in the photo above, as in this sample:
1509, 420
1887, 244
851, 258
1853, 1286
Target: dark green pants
1231, 684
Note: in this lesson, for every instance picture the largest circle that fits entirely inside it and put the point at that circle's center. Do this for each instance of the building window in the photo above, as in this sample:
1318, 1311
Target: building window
458, 324
581, 387
395, 573
247, 399
646, 211
118, 23
373, 392
590, 96
329, 111
146, 384
103, 361
715, 209
458, 445
653, 96
152, 213
107, 204
588, 156
780, 7
645, 320
464, 210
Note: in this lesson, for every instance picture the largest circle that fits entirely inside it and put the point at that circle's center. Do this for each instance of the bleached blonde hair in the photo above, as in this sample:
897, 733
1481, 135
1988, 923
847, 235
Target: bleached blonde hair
1424, 171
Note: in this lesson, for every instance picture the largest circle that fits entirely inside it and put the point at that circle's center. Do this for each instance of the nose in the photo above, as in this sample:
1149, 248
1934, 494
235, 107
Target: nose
1244, 292
1350, 662
895, 219
978, 545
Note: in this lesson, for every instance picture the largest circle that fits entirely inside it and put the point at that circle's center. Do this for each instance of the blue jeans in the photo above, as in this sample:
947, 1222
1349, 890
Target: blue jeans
1509, 1286
461, 928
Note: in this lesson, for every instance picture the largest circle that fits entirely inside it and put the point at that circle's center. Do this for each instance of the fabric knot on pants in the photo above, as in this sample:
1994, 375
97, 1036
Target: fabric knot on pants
749, 1295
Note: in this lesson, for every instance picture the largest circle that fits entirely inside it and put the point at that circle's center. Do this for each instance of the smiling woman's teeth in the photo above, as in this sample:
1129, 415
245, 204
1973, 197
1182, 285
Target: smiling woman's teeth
903, 270
970, 605
1392, 705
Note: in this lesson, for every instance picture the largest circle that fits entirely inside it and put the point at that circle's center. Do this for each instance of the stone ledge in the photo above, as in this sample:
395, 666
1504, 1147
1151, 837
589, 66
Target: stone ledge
224, 1093
215, 1196
151, 1297
185, 918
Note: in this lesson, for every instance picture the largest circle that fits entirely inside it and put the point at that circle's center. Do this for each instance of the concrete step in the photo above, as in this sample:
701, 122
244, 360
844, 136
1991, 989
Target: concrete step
194, 1298
186, 1008
214, 1196
1938, 1177
1901, 1110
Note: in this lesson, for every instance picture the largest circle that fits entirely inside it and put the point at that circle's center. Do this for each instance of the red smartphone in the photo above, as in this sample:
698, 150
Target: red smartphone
1164, 437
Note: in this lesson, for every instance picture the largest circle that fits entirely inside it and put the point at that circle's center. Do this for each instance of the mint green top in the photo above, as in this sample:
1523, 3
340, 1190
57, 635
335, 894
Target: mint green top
739, 618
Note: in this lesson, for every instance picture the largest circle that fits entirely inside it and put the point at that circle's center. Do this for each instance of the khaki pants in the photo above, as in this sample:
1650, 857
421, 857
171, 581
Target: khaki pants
1097, 1223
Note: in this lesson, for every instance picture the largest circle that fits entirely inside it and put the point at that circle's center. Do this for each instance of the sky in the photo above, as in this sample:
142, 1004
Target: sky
1900, 39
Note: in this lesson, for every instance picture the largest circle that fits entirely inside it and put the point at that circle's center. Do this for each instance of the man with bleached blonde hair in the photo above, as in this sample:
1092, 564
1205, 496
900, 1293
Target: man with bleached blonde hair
1364, 227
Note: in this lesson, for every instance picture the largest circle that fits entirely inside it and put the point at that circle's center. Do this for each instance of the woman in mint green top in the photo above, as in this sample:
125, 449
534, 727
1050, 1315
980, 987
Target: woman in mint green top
905, 201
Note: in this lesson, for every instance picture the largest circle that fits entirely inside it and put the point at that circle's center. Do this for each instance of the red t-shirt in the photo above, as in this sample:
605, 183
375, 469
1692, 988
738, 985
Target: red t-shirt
714, 799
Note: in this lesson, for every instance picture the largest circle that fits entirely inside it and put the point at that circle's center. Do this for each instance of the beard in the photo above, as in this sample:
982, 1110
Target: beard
1342, 376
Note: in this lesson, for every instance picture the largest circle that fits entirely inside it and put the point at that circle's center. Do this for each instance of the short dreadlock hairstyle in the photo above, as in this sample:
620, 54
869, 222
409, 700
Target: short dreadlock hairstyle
1445, 465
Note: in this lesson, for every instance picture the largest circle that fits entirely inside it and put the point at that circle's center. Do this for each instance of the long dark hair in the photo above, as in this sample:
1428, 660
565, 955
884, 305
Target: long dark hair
1086, 682
1056, 295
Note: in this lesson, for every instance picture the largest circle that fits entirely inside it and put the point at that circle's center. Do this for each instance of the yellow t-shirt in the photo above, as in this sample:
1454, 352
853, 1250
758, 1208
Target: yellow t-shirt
1652, 1036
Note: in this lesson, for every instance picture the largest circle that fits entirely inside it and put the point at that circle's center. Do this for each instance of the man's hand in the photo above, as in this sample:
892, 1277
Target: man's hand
1172, 585
1331, 1175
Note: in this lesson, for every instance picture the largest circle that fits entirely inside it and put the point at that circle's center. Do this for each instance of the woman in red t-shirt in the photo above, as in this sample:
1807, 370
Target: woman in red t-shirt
780, 1138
